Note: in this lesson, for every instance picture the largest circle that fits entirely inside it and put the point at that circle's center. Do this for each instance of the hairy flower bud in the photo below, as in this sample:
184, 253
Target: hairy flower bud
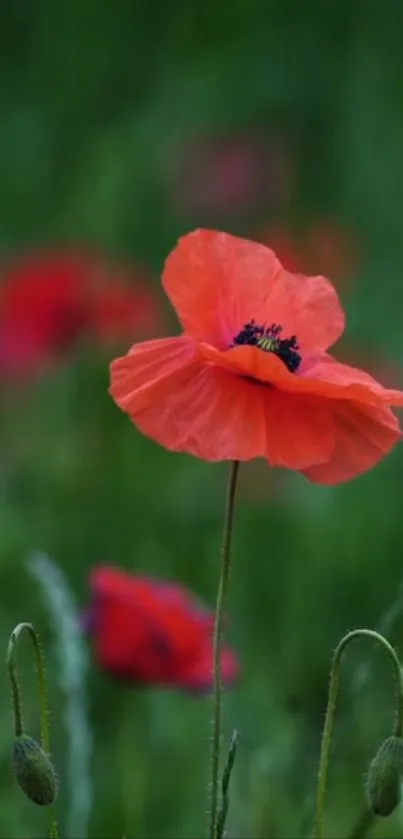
33, 770
384, 777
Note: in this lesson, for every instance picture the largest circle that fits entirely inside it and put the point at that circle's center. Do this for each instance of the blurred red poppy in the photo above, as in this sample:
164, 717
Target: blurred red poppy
229, 173
319, 247
251, 376
331, 250
380, 363
152, 632
50, 299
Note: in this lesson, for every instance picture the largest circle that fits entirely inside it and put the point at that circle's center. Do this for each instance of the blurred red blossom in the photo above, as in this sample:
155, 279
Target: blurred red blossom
230, 173
380, 364
321, 247
51, 299
152, 632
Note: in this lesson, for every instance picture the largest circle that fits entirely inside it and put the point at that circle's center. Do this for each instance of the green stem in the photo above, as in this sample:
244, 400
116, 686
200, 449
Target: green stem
40, 669
53, 831
225, 786
362, 826
217, 645
28, 629
15, 689
331, 709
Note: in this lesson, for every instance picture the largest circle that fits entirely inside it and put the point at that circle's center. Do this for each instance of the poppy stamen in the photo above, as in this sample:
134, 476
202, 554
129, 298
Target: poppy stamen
268, 339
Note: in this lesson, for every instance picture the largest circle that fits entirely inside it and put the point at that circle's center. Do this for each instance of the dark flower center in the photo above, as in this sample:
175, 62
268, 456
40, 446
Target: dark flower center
267, 338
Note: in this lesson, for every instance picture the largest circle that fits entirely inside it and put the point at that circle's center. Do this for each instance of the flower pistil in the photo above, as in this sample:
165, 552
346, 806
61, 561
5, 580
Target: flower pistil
268, 339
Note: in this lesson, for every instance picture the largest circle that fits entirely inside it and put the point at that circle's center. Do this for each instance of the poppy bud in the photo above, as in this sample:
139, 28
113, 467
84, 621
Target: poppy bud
384, 777
33, 770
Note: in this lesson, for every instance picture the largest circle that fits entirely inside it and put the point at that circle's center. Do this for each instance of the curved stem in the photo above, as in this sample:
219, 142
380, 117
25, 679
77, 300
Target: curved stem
331, 708
42, 692
40, 669
15, 690
217, 644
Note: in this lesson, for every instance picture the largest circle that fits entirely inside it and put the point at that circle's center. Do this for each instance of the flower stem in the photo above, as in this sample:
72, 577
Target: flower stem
225, 786
217, 644
331, 709
362, 826
15, 689
40, 668
42, 692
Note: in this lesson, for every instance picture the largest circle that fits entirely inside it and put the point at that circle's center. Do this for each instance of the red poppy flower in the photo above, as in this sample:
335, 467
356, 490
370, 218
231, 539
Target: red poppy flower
378, 363
285, 247
322, 246
152, 632
219, 173
49, 300
251, 376
330, 249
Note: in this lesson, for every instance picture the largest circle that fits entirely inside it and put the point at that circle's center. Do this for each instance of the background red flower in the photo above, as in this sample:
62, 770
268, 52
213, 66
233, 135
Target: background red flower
152, 632
50, 300
319, 247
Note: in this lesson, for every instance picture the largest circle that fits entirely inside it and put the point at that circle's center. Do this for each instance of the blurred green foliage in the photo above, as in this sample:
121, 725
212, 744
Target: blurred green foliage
99, 105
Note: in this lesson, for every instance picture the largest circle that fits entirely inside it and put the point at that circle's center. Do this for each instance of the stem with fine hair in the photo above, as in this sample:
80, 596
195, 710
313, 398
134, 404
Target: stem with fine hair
362, 826
331, 709
28, 629
15, 689
225, 785
217, 646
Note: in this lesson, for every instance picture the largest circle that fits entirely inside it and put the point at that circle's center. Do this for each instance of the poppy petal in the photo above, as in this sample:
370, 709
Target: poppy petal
217, 283
153, 632
189, 405
119, 640
324, 377
185, 404
146, 371
299, 430
133, 639
364, 434
177, 620
326, 371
